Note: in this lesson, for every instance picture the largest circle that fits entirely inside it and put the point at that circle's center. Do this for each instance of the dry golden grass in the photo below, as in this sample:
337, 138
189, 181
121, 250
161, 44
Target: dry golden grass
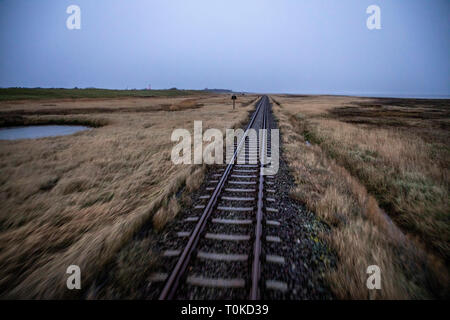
186, 104
79, 199
92, 105
361, 233
400, 170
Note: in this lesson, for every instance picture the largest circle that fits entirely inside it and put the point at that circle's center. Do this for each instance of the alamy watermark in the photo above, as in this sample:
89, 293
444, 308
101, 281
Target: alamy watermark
73, 22
374, 280
374, 20
213, 151
74, 280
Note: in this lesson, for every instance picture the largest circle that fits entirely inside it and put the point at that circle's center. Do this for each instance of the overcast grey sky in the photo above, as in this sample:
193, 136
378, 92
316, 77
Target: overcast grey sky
295, 46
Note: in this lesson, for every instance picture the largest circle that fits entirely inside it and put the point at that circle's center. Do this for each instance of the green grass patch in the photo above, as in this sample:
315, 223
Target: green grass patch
53, 93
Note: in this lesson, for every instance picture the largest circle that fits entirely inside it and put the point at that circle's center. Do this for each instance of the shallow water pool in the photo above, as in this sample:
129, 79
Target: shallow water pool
33, 132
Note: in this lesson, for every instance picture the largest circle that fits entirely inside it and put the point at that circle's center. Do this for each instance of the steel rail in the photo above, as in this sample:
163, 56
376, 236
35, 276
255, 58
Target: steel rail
172, 282
256, 266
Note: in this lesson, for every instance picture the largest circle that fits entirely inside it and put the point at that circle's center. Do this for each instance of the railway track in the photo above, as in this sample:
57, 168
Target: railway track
227, 237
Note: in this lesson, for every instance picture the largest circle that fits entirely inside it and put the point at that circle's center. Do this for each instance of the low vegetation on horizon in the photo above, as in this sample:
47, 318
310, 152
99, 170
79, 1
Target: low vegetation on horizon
88, 93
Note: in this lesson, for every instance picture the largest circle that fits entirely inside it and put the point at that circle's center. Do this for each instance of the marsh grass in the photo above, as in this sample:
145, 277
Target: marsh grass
80, 199
186, 104
340, 191
399, 170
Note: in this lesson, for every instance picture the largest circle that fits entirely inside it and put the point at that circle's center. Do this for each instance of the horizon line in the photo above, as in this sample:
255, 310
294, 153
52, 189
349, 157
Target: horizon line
316, 93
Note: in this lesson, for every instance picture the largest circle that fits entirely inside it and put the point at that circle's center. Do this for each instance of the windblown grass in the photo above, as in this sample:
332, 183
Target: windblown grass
341, 192
402, 173
79, 199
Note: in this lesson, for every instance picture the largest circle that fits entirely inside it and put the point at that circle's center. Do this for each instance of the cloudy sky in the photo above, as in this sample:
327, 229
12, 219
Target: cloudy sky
295, 46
